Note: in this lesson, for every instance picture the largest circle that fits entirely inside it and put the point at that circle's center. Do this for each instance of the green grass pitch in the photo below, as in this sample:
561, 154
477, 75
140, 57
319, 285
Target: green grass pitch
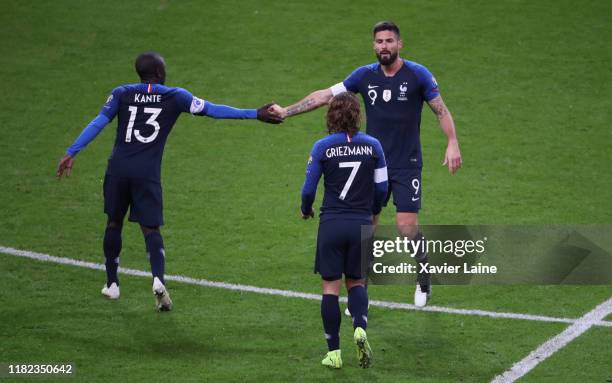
528, 83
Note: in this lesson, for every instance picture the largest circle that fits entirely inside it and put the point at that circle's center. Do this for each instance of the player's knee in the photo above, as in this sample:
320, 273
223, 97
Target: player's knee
146, 230
350, 283
114, 225
331, 285
408, 231
407, 224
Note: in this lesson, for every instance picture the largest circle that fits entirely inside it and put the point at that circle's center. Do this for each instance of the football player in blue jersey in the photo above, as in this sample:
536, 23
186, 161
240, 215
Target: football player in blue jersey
393, 91
355, 179
146, 113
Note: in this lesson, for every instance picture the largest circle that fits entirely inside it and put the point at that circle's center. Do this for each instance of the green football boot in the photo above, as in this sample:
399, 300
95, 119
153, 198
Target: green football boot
364, 352
333, 359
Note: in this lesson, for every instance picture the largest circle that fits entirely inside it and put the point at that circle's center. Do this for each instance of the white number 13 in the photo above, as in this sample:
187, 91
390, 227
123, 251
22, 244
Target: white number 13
154, 112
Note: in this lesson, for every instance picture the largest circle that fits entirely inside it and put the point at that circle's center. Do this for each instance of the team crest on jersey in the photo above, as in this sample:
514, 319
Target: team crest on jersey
433, 80
387, 95
403, 88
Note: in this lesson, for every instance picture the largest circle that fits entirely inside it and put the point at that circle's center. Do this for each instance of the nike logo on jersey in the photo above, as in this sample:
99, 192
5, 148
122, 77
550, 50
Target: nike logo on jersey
372, 86
415, 199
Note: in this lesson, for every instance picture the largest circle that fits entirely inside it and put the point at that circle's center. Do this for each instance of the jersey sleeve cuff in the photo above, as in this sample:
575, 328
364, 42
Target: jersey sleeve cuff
337, 89
380, 175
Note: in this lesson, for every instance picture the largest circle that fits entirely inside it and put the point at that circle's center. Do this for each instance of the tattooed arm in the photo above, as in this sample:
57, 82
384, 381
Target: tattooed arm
312, 101
452, 157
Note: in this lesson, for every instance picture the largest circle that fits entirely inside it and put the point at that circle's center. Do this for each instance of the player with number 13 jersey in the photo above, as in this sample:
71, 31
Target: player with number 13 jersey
146, 113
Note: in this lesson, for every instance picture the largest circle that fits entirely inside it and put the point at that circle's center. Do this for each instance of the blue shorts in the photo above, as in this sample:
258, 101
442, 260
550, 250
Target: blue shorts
405, 185
142, 196
339, 249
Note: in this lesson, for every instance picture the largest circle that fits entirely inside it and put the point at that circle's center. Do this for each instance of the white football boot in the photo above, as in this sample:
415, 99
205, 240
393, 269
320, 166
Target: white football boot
111, 292
162, 297
348, 313
421, 297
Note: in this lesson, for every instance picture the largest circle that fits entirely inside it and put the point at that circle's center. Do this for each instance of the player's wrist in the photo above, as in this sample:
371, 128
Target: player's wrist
282, 112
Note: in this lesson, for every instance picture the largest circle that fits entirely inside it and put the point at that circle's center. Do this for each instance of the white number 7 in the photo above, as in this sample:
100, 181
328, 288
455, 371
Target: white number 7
355, 165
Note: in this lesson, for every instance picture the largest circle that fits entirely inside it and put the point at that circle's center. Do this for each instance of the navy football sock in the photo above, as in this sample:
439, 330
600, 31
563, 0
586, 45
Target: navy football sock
155, 248
330, 313
112, 248
423, 278
358, 306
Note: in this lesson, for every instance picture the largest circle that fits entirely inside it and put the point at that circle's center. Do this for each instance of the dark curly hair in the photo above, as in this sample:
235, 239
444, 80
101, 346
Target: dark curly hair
344, 115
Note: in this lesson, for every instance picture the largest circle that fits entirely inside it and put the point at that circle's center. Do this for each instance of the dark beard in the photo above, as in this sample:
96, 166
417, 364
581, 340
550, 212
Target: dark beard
387, 61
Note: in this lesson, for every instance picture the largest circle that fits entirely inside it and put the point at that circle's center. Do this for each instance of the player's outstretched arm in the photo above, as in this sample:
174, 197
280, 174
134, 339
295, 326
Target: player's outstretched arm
200, 107
312, 101
87, 135
452, 157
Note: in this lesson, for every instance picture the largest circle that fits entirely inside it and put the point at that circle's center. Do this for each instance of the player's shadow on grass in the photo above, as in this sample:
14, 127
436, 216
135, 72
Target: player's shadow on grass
137, 331
160, 333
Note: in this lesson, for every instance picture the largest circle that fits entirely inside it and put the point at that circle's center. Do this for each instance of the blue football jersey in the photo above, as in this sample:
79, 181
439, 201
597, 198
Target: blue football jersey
354, 172
393, 108
146, 114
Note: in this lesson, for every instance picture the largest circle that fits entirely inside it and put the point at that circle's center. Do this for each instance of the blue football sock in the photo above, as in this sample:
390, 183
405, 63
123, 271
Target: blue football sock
358, 306
112, 248
330, 313
155, 248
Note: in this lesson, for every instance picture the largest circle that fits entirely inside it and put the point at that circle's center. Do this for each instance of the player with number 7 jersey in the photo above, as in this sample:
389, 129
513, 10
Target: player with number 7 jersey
352, 167
355, 179
355, 187
146, 113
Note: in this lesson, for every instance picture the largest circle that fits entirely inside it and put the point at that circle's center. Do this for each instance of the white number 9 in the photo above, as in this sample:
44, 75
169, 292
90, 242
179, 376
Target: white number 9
416, 185
372, 94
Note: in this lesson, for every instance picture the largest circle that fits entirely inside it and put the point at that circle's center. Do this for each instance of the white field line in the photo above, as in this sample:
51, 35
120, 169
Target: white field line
288, 293
590, 319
